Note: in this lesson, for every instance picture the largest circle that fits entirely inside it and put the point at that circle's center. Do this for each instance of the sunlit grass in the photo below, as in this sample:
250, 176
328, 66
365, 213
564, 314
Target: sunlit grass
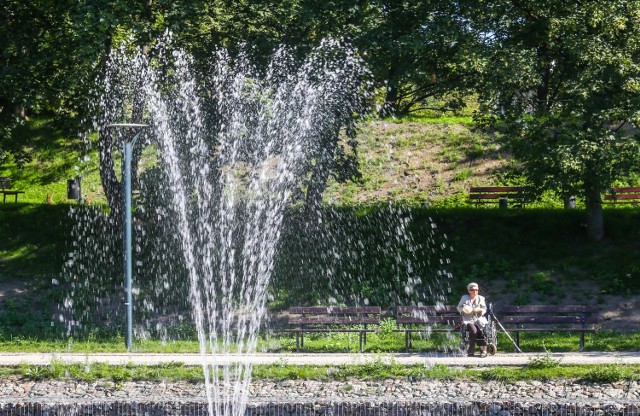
328, 342
374, 370
55, 158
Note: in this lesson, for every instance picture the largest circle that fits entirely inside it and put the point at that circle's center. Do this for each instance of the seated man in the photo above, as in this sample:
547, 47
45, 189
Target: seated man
473, 307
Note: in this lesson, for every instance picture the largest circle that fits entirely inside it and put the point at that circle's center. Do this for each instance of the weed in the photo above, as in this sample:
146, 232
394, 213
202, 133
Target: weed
542, 282
609, 373
346, 387
497, 374
462, 175
385, 330
543, 361
37, 372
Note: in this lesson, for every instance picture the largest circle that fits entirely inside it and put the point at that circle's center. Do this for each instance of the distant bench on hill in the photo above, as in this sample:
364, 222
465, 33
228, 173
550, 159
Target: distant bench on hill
623, 195
502, 195
6, 188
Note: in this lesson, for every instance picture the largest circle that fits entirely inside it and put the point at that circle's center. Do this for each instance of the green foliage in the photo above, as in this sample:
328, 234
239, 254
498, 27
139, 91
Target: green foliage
542, 282
607, 373
497, 374
543, 361
377, 369
560, 81
385, 330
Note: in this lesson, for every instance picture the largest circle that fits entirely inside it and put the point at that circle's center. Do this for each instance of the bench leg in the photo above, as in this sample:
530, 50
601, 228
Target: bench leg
361, 337
581, 341
297, 342
406, 341
518, 339
301, 339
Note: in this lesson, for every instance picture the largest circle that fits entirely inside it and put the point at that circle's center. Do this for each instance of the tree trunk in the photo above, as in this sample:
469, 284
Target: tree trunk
110, 183
390, 106
318, 182
595, 220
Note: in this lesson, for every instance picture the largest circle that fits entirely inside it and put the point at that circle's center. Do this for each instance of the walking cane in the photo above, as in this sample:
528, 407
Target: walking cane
493, 316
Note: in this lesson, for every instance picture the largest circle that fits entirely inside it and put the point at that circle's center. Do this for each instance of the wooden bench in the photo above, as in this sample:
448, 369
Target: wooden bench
6, 188
497, 194
428, 318
549, 318
624, 195
332, 319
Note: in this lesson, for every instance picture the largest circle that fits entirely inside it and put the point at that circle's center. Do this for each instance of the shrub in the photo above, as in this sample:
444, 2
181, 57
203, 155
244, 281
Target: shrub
543, 361
609, 373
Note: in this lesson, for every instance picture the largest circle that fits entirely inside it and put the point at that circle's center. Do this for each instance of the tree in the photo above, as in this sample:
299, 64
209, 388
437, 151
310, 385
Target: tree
32, 52
418, 51
561, 80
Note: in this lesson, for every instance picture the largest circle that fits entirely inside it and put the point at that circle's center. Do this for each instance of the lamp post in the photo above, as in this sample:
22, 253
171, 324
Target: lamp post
126, 179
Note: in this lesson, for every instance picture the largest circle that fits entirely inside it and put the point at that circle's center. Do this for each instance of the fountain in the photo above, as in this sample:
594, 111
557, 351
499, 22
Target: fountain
225, 155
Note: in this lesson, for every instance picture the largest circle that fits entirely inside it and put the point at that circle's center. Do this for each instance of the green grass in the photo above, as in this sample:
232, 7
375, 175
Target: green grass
541, 342
55, 158
34, 239
375, 370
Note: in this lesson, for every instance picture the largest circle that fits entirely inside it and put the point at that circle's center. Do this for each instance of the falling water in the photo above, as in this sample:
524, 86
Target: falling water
224, 156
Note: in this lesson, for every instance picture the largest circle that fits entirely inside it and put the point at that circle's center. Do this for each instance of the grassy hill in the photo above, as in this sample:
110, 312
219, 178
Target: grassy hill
55, 158
421, 160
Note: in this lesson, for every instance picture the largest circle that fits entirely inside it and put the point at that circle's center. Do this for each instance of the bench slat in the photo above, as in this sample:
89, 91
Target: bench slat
426, 309
626, 189
497, 189
425, 329
494, 196
546, 319
431, 320
329, 310
621, 197
333, 320
549, 309
558, 329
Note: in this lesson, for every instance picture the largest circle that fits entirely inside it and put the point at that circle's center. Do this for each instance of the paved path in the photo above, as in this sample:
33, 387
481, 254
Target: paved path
504, 359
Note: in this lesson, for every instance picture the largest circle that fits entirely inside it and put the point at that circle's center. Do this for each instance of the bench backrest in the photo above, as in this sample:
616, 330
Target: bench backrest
427, 315
497, 189
5, 183
624, 194
548, 314
496, 192
330, 315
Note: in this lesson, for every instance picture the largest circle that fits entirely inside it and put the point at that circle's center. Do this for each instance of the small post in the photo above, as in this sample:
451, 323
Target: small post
570, 202
128, 262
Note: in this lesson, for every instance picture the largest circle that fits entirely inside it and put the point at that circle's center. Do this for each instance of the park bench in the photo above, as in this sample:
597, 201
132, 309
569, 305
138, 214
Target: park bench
306, 319
6, 188
427, 319
623, 195
501, 195
549, 318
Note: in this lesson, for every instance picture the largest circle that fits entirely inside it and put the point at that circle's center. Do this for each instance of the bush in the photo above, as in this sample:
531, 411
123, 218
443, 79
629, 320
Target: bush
609, 373
543, 361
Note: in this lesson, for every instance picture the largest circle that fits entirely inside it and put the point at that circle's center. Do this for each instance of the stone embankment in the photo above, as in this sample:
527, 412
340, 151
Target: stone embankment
393, 389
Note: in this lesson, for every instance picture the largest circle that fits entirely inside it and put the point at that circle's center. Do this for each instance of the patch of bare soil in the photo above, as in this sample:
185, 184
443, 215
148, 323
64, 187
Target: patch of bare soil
12, 290
417, 161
